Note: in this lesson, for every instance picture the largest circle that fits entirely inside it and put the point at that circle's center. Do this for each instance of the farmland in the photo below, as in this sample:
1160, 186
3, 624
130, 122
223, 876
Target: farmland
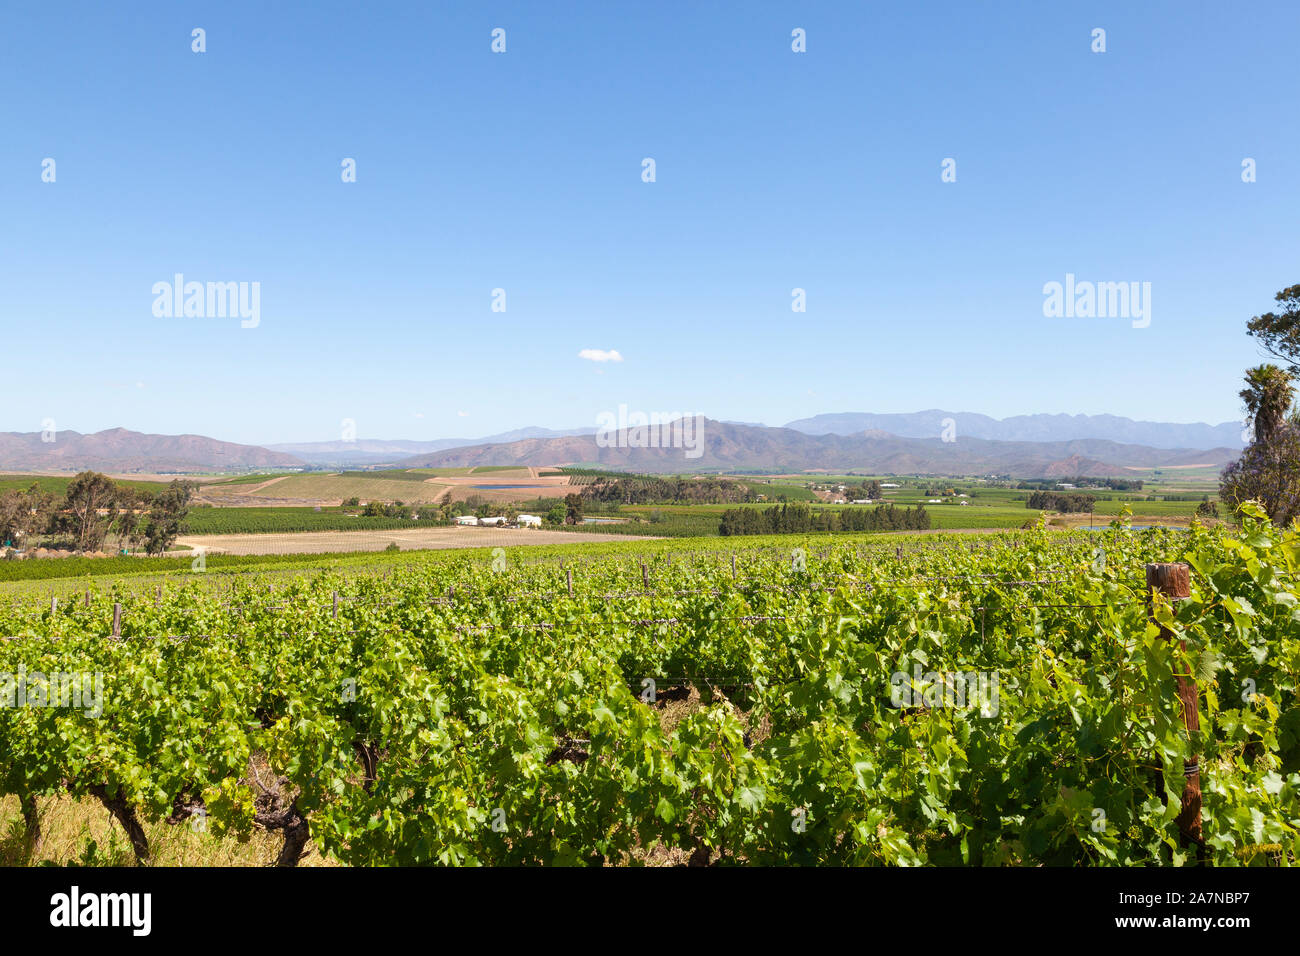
328, 488
406, 538
283, 520
772, 700
409, 485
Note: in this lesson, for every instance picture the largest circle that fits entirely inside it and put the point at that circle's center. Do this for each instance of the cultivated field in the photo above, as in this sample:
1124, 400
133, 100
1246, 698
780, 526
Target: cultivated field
330, 542
722, 702
411, 486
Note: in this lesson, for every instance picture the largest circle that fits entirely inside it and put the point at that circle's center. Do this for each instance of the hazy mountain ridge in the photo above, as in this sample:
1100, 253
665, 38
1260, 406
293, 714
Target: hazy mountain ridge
122, 450
728, 447
369, 451
1021, 428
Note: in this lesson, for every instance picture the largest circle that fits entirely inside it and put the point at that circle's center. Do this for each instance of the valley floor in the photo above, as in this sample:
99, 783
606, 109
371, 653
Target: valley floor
435, 538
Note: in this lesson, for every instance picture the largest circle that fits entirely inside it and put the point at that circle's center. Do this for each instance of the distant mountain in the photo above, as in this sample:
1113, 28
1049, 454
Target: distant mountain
730, 447
373, 451
1040, 428
725, 446
120, 450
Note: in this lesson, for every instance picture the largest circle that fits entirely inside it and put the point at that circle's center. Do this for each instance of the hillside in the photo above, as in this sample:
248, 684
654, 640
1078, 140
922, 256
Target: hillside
730, 447
121, 450
1028, 428
371, 451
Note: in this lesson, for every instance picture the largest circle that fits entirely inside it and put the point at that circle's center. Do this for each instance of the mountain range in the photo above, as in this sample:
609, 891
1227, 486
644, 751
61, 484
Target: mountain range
120, 450
1024, 446
930, 424
731, 447
370, 451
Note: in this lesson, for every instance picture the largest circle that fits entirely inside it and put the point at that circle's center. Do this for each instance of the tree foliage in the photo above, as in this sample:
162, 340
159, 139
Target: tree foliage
1268, 471
1279, 332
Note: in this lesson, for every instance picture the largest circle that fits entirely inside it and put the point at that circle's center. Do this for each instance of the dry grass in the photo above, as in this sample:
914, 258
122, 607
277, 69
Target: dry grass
82, 831
336, 488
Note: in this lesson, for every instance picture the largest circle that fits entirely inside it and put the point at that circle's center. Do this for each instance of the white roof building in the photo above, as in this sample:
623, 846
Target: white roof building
499, 519
530, 521
467, 519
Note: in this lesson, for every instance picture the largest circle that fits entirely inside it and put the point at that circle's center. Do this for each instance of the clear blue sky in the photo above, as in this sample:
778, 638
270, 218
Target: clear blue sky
522, 171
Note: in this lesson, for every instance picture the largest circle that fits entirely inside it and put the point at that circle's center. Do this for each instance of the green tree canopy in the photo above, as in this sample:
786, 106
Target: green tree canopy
1279, 332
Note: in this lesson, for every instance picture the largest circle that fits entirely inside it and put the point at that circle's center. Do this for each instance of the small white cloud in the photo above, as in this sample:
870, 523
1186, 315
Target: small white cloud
600, 355
139, 384
419, 414
463, 414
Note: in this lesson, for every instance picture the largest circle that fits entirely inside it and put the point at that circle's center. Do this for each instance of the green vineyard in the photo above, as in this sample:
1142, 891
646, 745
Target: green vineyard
999, 700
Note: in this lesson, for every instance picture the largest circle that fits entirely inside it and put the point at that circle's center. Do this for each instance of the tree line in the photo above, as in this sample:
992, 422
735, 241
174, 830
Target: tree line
93, 506
801, 519
1060, 501
654, 491
1082, 481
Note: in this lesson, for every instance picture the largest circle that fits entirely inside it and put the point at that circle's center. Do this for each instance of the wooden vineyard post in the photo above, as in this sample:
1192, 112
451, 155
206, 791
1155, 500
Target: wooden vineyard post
1174, 581
645, 577
87, 599
336, 605
54, 606
117, 620
568, 577
733, 567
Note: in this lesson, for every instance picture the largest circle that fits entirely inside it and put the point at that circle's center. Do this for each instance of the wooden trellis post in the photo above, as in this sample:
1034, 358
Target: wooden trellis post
117, 620
1174, 581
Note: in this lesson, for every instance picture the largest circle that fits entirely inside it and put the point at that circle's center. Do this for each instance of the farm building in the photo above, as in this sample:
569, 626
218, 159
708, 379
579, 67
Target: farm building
492, 521
529, 521
467, 519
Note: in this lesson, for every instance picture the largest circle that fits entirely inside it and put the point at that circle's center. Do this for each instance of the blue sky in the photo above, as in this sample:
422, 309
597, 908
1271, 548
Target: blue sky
522, 171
